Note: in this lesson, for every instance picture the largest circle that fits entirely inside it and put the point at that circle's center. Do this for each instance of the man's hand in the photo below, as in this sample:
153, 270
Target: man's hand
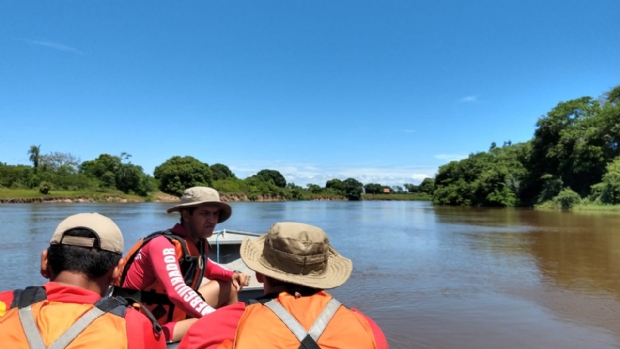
239, 280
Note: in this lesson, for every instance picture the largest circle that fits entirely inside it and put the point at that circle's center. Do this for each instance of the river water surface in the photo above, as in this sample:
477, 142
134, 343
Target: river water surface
431, 277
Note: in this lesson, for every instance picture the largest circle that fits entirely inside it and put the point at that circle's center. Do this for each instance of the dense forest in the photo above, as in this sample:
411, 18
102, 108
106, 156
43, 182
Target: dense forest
573, 158
63, 171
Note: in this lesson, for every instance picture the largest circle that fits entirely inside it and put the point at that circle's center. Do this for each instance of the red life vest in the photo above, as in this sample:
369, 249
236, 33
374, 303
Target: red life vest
192, 260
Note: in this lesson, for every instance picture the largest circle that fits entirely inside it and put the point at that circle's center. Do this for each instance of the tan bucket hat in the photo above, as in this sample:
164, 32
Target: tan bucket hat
197, 196
109, 235
299, 254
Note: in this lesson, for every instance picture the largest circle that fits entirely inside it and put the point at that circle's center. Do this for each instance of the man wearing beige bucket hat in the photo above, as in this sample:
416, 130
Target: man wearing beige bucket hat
83, 258
164, 270
296, 264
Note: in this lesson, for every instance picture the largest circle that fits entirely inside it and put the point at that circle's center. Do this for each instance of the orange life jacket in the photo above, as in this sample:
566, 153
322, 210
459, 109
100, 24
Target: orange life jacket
33, 319
261, 327
192, 261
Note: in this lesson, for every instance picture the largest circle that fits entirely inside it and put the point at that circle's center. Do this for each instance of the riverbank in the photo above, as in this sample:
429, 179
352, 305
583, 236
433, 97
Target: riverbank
398, 197
586, 208
26, 196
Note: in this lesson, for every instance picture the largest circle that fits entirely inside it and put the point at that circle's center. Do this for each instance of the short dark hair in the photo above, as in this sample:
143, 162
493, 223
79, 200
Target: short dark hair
292, 288
90, 261
188, 209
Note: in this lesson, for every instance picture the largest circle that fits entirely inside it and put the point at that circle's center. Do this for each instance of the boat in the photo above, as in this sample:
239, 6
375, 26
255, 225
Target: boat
225, 246
225, 250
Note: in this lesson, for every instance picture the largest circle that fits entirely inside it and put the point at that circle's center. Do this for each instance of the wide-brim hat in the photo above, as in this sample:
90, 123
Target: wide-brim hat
297, 253
198, 196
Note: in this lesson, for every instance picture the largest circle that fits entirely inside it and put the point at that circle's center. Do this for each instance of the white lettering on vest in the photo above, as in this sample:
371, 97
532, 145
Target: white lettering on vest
177, 281
189, 296
169, 251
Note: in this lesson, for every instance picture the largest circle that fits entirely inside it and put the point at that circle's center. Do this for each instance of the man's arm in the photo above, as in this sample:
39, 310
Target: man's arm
215, 271
162, 255
140, 332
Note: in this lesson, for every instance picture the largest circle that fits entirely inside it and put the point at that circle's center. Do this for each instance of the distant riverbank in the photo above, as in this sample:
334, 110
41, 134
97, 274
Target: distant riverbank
25, 196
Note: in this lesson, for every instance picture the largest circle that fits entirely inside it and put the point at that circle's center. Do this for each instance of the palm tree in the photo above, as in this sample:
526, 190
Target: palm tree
35, 151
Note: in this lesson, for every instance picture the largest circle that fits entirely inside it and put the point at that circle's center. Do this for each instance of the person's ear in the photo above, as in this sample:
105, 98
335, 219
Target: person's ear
117, 272
260, 277
45, 267
185, 214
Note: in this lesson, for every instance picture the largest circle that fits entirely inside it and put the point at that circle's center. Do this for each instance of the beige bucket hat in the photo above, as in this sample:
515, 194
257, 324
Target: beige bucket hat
109, 235
197, 196
299, 254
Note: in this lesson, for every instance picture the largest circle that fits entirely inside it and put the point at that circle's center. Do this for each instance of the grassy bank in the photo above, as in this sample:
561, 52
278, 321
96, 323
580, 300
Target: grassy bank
17, 194
33, 195
583, 206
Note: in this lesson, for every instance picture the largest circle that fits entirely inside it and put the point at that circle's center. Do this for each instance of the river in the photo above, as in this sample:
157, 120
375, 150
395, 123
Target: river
431, 277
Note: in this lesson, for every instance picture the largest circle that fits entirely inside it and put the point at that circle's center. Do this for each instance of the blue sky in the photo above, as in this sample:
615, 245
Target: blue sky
382, 91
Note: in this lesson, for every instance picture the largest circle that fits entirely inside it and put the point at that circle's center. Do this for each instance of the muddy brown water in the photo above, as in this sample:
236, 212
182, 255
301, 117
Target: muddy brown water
431, 277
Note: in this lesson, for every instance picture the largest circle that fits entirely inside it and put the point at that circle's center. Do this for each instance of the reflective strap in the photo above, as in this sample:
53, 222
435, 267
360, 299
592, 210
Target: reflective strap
34, 336
298, 330
77, 328
30, 328
321, 322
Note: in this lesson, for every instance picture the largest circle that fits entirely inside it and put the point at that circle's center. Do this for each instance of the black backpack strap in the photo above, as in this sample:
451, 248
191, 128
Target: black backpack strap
28, 296
145, 240
188, 263
119, 305
147, 297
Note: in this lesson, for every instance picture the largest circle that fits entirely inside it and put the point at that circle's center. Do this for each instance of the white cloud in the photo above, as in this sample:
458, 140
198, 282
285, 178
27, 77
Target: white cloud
302, 174
469, 99
53, 45
450, 157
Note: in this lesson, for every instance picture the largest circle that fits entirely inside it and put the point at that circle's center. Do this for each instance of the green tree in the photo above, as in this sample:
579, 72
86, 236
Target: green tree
34, 154
272, 176
353, 189
567, 199
314, 188
412, 188
103, 168
373, 188
221, 171
567, 145
608, 191
63, 163
427, 186
179, 173
336, 185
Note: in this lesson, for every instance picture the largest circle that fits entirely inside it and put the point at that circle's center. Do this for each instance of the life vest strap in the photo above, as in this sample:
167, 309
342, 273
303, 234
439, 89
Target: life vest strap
138, 296
28, 296
307, 339
34, 336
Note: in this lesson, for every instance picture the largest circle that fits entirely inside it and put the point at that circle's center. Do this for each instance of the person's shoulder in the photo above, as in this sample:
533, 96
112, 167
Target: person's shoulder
142, 333
380, 339
134, 317
6, 298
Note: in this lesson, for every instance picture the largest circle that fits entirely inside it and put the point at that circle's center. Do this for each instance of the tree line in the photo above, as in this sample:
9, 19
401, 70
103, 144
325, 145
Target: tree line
64, 171
573, 157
